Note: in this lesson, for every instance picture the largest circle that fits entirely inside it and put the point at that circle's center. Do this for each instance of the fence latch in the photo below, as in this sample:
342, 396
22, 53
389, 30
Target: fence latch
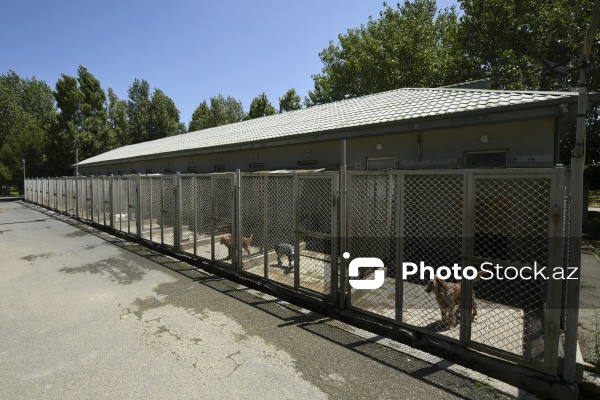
556, 214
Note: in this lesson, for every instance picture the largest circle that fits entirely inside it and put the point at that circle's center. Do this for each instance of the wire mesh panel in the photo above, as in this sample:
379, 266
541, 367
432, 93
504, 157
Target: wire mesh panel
371, 222
223, 201
96, 196
105, 207
203, 205
56, 189
148, 226
253, 224
432, 217
80, 197
71, 196
512, 217
151, 208
316, 233
46, 192
132, 205
280, 243
119, 206
188, 222
168, 209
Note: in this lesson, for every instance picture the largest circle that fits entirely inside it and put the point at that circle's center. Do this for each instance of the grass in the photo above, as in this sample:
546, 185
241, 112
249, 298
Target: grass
485, 386
587, 286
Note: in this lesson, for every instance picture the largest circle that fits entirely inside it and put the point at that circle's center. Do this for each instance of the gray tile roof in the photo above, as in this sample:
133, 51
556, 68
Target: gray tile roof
396, 106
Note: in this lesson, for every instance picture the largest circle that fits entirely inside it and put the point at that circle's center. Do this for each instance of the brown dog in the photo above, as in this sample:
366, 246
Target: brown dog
447, 295
227, 240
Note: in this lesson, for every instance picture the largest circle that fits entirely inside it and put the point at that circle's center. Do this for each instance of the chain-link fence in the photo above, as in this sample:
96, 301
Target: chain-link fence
285, 228
501, 221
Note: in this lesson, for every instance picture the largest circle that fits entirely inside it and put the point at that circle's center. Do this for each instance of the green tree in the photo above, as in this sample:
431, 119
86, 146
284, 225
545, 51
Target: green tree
225, 111
116, 110
94, 118
164, 117
290, 101
507, 42
260, 107
82, 122
406, 47
26, 113
66, 134
151, 117
138, 111
200, 118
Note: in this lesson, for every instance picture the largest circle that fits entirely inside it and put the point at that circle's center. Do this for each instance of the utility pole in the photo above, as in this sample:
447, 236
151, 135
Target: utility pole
577, 166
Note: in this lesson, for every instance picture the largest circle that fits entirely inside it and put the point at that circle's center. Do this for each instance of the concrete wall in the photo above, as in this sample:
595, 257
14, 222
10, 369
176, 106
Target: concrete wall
528, 144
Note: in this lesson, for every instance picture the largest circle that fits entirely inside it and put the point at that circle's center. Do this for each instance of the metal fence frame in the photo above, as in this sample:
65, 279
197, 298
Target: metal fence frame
194, 214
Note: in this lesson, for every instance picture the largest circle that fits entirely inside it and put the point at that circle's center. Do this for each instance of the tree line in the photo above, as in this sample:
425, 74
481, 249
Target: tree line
518, 45
50, 128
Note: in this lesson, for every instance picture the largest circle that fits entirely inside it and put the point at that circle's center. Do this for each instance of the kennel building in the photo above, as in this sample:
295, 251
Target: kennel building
456, 174
400, 129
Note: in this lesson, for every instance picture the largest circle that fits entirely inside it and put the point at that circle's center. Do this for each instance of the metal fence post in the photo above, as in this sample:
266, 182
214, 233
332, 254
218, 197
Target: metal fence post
468, 238
555, 260
92, 197
296, 228
139, 207
162, 210
195, 208
342, 225
177, 228
66, 195
266, 225
76, 196
399, 290
237, 220
111, 203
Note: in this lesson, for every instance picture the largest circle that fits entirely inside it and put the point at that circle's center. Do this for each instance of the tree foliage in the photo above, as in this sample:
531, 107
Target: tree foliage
413, 45
260, 107
514, 44
138, 110
151, 117
164, 117
200, 118
82, 121
290, 101
225, 111
116, 110
26, 114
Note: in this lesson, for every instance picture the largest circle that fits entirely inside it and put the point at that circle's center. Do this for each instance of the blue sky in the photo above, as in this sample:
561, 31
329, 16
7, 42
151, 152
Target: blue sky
191, 50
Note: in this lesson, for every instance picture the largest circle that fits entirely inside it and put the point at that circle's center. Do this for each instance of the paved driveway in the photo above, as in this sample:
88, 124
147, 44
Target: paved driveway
86, 315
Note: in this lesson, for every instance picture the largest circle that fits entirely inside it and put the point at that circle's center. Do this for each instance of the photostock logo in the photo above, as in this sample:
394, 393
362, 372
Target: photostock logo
365, 262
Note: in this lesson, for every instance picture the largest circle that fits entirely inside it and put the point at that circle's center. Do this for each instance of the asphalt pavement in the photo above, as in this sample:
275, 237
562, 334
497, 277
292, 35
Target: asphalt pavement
84, 314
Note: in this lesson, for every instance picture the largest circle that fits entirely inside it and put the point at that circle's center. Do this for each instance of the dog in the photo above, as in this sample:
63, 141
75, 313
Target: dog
447, 295
287, 250
227, 240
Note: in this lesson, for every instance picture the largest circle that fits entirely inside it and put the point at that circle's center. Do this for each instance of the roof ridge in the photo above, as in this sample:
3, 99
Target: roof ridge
540, 92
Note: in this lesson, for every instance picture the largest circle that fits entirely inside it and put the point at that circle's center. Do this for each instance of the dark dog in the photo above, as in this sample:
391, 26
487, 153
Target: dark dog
287, 250
227, 240
447, 295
